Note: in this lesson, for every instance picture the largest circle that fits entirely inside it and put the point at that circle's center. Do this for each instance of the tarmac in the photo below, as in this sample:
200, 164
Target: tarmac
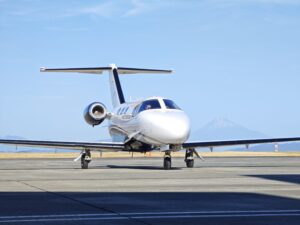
229, 190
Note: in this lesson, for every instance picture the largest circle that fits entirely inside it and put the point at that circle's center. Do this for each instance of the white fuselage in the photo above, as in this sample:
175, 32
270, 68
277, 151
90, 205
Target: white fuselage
163, 124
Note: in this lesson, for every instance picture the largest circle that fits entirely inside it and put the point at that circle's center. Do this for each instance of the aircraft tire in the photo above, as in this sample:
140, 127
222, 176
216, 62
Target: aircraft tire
189, 163
84, 163
167, 163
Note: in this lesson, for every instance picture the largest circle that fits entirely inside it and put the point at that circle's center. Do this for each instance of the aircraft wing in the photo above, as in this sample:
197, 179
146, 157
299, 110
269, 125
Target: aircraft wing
210, 144
93, 146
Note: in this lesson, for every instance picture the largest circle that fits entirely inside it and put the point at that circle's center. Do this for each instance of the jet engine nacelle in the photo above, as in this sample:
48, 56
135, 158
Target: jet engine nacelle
95, 113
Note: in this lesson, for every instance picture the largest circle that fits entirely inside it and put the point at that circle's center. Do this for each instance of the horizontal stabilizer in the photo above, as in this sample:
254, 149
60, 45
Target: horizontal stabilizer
114, 72
124, 70
99, 70
95, 70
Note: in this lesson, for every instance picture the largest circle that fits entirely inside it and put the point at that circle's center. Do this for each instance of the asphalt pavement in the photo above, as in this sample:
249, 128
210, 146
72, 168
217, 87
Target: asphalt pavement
237, 190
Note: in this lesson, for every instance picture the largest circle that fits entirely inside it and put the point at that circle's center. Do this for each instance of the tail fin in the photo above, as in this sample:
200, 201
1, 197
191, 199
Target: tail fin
114, 81
116, 91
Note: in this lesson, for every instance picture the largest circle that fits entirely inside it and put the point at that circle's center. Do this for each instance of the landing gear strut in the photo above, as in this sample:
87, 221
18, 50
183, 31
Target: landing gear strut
167, 161
85, 159
189, 158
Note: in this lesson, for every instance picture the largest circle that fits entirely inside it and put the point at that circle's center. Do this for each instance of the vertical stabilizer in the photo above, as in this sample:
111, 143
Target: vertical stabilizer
116, 91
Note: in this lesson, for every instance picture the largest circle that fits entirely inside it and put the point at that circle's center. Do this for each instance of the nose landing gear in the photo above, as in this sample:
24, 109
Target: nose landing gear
189, 158
86, 159
167, 161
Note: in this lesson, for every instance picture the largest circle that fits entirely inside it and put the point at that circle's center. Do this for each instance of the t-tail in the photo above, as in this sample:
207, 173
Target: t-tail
116, 91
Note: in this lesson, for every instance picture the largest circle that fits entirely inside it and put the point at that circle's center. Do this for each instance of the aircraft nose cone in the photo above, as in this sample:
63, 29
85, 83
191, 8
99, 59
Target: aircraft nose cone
173, 130
168, 127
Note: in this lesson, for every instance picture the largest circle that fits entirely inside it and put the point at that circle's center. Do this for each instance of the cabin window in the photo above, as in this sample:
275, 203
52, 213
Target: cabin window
126, 110
119, 110
170, 104
123, 111
149, 104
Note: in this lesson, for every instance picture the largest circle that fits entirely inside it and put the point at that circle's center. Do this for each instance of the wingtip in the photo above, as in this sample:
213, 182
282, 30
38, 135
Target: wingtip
42, 69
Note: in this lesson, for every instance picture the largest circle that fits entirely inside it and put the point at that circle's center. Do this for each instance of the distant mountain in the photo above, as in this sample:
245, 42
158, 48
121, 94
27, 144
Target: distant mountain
13, 137
224, 129
6, 148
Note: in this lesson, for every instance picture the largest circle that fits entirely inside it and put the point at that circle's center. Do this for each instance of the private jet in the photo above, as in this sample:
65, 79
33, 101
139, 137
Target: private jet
152, 124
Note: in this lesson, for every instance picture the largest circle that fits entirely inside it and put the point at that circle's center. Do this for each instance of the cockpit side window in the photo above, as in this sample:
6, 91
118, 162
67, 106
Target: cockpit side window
149, 104
170, 104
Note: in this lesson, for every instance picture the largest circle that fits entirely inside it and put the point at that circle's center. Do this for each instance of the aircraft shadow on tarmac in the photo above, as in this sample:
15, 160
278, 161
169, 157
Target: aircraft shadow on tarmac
52, 168
290, 178
194, 207
96, 168
141, 167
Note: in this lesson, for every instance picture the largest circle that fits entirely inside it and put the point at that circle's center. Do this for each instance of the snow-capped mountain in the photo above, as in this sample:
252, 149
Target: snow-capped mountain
224, 129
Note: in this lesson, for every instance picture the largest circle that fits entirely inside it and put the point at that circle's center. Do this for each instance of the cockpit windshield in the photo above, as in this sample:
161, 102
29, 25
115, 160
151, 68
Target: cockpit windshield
149, 104
170, 104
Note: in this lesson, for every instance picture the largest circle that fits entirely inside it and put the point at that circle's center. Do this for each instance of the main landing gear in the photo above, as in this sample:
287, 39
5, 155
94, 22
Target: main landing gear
189, 158
167, 161
85, 159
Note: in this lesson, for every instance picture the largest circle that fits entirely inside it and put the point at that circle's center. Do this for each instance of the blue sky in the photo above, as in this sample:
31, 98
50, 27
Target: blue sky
233, 59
